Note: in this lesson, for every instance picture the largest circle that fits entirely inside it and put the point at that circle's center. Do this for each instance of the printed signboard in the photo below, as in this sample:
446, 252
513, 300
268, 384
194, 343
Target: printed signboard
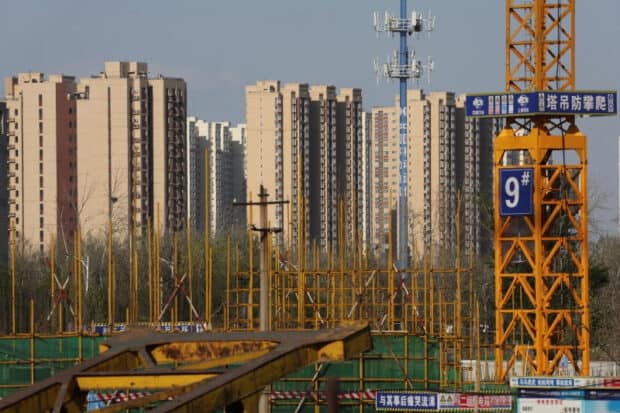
591, 103
390, 401
549, 405
464, 401
516, 191
577, 382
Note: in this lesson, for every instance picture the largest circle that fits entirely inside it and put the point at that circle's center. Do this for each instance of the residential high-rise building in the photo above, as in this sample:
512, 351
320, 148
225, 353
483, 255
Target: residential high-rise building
238, 137
211, 173
350, 152
278, 136
4, 184
324, 183
42, 157
132, 149
263, 114
447, 154
366, 177
474, 143
304, 145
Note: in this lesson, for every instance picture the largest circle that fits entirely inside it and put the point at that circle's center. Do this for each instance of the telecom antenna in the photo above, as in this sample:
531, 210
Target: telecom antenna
403, 66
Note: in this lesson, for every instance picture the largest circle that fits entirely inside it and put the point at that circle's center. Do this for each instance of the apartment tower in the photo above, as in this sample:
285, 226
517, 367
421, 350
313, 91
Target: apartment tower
42, 147
278, 136
447, 154
349, 164
212, 173
324, 183
132, 150
304, 146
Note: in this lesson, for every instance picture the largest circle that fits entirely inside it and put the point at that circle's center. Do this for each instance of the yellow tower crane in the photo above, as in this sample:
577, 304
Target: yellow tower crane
541, 198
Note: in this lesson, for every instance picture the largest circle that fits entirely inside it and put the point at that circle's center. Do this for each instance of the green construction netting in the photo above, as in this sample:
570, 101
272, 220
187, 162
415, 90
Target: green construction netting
50, 354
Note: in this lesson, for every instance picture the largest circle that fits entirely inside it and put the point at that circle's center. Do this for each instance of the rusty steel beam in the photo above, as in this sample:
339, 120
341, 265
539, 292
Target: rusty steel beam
195, 384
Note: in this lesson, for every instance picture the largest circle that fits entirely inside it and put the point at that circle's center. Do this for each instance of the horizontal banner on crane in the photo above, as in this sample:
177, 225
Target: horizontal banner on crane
566, 382
550, 103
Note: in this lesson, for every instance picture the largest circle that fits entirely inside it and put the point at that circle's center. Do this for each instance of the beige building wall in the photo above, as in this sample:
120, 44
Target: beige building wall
42, 160
384, 159
131, 156
264, 147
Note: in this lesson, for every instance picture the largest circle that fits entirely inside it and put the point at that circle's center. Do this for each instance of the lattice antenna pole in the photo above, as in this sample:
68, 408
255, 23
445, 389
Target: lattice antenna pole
403, 66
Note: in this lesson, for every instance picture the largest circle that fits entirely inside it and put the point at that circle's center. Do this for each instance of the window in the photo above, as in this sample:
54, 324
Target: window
16, 112
41, 181
40, 168
41, 195
40, 114
70, 110
40, 209
40, 154
41, 236
40, 127
40, 140
70, 124
41, 222
40, 100
70, 178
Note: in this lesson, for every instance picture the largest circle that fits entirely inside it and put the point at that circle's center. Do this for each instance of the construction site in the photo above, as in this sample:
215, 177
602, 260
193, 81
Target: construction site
310, 330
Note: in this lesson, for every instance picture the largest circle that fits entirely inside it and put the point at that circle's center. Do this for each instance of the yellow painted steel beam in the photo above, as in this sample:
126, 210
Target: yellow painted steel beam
211, 354
149, 380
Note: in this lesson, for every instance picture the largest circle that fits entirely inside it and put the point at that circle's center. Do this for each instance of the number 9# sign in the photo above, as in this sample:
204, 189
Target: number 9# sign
516, 191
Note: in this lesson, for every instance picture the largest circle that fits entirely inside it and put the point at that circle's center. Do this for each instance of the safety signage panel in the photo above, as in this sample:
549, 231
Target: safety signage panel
516, 191
464, 401
591, 103
545, 405
577, 382
387, 401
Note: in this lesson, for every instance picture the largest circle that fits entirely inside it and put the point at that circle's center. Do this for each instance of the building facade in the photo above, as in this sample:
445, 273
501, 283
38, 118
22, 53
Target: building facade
4, 191
304, 146
324, 184
42, 145
366, 179
212, 175
132, 150
349, 154
238, 137
447, 155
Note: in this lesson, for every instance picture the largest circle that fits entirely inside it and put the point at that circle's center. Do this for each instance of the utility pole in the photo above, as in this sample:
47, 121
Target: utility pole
264, 230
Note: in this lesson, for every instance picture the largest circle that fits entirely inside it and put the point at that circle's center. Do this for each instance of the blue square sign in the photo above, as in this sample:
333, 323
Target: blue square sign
516, 191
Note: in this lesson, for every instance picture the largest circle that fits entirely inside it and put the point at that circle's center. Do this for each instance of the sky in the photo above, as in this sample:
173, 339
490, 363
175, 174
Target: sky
219, 47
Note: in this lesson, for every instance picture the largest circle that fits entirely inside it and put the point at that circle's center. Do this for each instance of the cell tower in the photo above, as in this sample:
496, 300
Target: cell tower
403, 66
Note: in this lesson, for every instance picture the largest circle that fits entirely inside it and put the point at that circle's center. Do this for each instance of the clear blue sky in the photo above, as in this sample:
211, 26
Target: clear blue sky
220, 46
